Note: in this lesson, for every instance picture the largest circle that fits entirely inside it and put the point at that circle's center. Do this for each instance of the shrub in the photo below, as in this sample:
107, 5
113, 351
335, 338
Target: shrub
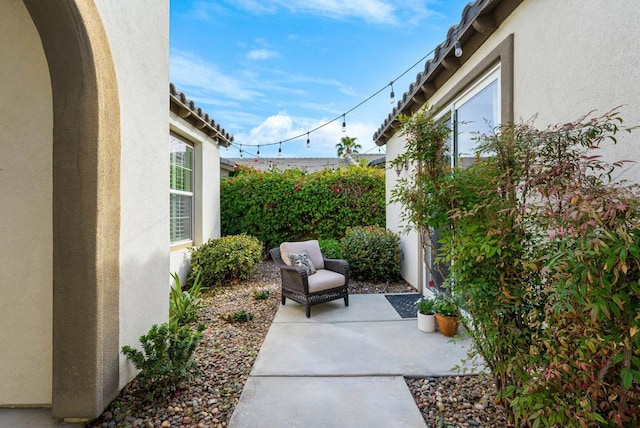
166, 357
278, 206
185, 304
238, 316
373, 253
545, 252
261, 295
225, 259
331, 248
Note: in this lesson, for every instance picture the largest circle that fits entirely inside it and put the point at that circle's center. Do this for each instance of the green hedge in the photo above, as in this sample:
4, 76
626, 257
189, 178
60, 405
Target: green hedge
373, 253
222, 260
278, 206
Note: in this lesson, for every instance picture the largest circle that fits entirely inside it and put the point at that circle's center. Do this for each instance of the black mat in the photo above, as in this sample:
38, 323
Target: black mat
404, 304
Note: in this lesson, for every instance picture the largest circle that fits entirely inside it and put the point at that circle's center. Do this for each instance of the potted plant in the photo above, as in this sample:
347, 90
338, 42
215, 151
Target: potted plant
426, 317
447, 313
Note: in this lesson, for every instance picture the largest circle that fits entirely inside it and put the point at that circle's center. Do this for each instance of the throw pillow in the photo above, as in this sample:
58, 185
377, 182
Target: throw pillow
303, 259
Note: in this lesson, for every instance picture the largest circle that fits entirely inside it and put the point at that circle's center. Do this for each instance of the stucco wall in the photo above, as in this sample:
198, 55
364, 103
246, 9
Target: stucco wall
138, 35
409, 245
26, 120
569, 59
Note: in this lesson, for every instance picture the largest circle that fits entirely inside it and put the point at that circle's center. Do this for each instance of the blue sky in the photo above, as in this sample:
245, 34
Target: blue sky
269, 70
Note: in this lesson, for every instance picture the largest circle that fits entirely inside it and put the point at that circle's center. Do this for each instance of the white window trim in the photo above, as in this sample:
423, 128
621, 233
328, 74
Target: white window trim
493, 75
186, 242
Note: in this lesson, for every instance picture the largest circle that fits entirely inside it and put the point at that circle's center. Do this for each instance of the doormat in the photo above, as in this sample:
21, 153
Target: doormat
404, 304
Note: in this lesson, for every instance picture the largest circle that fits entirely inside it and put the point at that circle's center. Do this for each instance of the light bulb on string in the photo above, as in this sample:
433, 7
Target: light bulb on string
280, 149
308, 141
457, 49
392, 95
240, 150
258, 152
344, 123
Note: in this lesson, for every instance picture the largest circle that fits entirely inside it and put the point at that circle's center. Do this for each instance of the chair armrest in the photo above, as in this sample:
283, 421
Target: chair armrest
293, 277
337, 265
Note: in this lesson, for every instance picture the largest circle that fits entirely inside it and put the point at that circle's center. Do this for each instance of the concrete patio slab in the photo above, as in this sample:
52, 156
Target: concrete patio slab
357, 349
362, 307
345, 402
343, 367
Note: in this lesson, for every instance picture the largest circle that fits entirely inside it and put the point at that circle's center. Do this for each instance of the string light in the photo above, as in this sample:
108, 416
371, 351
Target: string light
280, 149
457, 52
258, 152
308, 141
457, 49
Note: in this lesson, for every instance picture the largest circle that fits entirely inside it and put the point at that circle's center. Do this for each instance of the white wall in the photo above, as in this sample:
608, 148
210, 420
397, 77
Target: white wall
138, 33
570, 58
409, 244
26, 246
206, 191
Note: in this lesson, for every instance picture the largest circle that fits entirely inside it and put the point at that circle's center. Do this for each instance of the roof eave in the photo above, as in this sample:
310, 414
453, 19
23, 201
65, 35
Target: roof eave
479, 20
187, 110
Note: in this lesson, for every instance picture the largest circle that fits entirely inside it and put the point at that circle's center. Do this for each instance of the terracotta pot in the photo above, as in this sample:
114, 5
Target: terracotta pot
426, 323
447, 325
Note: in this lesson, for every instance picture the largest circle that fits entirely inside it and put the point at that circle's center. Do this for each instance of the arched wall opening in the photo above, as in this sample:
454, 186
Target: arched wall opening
85, 204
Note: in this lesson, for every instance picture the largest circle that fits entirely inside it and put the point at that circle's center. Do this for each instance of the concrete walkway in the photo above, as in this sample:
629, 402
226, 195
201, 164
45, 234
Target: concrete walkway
343, 367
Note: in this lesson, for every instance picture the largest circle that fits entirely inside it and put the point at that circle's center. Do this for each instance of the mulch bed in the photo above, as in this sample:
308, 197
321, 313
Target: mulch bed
227, 352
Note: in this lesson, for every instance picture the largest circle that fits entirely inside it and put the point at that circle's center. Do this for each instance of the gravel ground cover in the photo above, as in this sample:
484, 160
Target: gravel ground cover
227, 352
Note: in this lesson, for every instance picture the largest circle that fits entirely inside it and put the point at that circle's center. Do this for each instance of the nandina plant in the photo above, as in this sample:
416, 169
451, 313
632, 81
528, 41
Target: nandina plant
544, 253
584, 364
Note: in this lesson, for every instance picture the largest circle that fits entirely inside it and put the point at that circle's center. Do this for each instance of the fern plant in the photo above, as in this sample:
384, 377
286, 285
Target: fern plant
166, 358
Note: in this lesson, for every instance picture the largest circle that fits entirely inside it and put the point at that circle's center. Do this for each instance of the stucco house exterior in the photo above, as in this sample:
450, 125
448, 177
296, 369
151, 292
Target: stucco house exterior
83, 179
558, 60
195, 170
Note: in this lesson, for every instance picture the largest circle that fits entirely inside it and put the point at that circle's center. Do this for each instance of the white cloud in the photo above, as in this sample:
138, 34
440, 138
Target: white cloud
187, 70
262, 54
282, 126
393, 12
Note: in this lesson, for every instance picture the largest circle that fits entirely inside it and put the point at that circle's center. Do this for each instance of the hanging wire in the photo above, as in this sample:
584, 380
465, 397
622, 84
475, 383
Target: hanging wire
343, 115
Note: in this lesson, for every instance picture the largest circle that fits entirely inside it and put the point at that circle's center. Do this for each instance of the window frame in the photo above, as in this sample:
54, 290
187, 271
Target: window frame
189, 241
502, 55
451, 109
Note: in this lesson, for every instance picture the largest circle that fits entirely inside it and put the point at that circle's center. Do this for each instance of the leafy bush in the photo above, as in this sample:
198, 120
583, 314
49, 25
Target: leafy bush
426, 305
261, 295
278, 206
331, 248
543, 246
166, 357
238, 316
185, 304
373, 253
225, 259
446, 305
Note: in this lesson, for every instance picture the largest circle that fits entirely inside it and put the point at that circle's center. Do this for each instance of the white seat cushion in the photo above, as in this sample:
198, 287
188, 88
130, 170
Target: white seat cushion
312, 247
325, 279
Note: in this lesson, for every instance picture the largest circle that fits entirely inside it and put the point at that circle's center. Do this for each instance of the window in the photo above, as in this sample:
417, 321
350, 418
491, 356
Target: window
181, 191
475, 112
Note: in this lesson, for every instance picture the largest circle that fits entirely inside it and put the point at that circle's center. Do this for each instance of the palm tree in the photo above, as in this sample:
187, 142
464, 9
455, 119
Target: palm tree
347, 146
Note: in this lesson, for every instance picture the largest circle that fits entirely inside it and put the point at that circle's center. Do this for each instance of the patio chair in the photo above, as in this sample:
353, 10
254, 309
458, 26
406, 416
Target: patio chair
308, 277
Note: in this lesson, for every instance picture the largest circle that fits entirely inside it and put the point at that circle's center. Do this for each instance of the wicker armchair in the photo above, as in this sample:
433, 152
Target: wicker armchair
328, 283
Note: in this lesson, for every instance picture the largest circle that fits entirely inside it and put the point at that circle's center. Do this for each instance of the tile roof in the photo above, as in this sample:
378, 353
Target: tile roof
479, 20
187, 110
